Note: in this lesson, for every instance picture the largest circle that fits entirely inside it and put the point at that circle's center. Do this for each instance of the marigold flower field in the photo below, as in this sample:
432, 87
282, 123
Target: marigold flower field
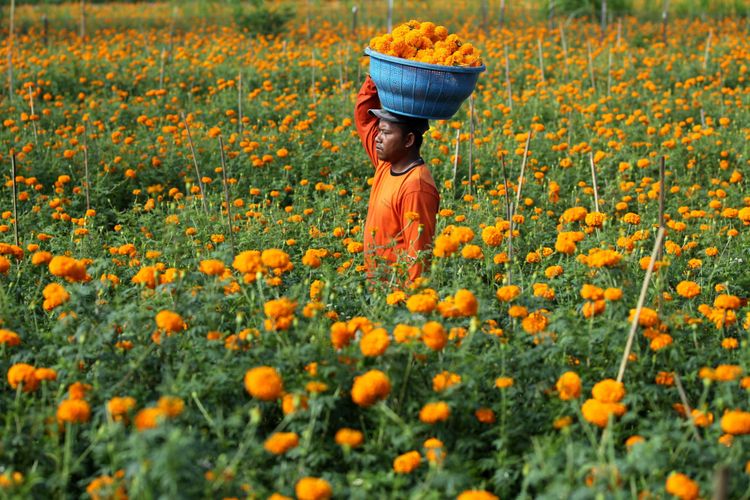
183, 307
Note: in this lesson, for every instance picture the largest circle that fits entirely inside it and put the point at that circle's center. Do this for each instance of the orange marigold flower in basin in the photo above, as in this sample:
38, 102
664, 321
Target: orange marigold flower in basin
370, 388
264, 383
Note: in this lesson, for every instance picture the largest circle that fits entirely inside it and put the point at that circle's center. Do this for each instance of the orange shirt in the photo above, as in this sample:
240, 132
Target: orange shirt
402, 208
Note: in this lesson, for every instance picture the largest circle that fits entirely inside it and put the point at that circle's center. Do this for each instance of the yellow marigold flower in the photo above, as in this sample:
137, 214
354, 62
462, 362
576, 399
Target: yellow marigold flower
661, 341
444, 246
736, 422
169, 321
725, 301
434, 336
374, 343
23, 374
370, 388
279, 443
405, 333
147, 276
568, 386
54, 295
349, 437
407, 463
613, 294
492, 236
472, 252
535, 322
608, 391
553, 271
313, 488
264, 383
75, 411
648, 317
248, 262
275, 258
574, 214
41, 257
432, 413
682, 486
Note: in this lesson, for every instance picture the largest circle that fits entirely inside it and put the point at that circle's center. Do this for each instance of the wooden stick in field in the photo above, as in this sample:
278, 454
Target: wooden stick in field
11, 40
523, 170
591, 65
195, 162
686, 404
593, 181
471, 140
609, 73
33, 120
639, 307
239, 102
82, 32
86, 168
541, 57
508, 214
664, 20
708, 48
603, 26
455, 159
507, 79
662, 192
564, 45
502, 14
226, 195
15, 196
161, 69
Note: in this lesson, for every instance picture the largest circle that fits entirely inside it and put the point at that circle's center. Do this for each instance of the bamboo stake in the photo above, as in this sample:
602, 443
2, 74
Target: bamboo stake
33, 121
609, 73
312, 77
593, 180
507, 79
11, 42
662, 192
355, 9
82, 32
508, 214
195, 162
721, 483
619, 32
523, 169
455, 159
15, 195
86, 168
390, 16
226, 195
564, 44
603, 26
708, 48
664, 20
639, 307
686, 404
45, 29
591, 65
703, 118
502, 13
541, 57
471, 140
239, 103
161, 69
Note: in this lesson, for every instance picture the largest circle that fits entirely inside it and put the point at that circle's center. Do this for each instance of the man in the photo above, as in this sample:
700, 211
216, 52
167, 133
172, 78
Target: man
403, 199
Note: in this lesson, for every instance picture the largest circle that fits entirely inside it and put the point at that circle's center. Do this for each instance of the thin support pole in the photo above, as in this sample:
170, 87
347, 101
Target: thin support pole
195, 162
593, 180
226, 195
15, 195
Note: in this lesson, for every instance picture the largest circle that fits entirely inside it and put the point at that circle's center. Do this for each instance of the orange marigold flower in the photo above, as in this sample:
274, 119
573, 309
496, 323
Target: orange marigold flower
725, 301
54, 295
370, 388
119, 407
406, 463
23, 374
75, 411
508, 293
349, 437
248, 262
264, 383
608, 391
212, 267
172, 406
169, 321
598, 412
681, 486
279, 443
434, 336
67, 267
688, 289
736, 422
405, 333
275, 258
444, 380
485, 415
568, 386
292, 403
503, 382
421, 303
374, 343
9, 338
476, 495
432, 413
535, 322
313, 488
647, 317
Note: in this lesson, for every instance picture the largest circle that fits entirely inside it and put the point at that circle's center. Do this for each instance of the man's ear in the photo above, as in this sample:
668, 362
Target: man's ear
409, 140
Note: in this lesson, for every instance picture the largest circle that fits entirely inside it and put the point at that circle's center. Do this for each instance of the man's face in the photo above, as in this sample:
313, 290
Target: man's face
391, 143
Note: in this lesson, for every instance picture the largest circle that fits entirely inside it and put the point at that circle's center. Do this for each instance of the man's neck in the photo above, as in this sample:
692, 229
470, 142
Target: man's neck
406, 163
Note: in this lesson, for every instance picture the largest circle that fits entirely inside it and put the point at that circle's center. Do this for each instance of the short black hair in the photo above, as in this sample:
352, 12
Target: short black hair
415, 129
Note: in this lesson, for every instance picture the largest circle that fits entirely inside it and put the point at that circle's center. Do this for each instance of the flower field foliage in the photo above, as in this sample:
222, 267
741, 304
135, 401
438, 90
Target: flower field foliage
198, 325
